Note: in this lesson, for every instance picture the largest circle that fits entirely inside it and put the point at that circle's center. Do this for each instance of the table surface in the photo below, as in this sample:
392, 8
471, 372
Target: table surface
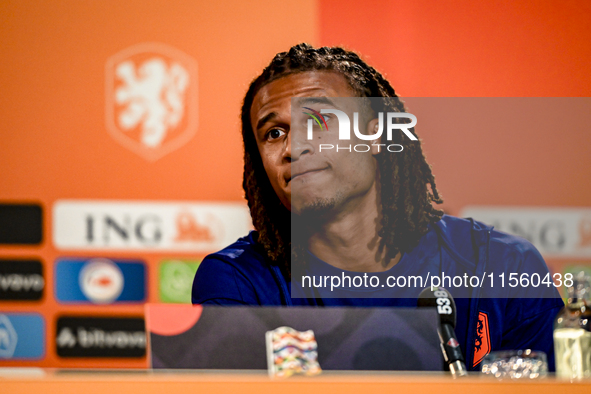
33, 380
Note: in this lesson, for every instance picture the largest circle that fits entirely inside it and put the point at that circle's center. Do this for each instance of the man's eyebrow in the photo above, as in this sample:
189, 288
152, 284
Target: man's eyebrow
265, 119
316, 100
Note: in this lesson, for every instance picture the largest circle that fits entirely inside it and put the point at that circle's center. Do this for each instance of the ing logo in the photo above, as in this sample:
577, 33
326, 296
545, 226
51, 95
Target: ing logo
151, 99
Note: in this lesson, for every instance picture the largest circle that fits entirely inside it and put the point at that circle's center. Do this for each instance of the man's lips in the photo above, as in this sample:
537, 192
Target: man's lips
305, 172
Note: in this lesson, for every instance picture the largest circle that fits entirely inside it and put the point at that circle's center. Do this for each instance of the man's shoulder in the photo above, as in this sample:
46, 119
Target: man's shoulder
466, 233
242, 244
237, 274
475, 243
243, 254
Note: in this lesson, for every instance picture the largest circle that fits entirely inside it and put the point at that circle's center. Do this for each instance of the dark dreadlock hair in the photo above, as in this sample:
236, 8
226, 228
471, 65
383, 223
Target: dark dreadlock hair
404, 182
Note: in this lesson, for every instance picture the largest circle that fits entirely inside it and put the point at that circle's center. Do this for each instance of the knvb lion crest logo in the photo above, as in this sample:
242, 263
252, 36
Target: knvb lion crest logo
203, 229
482, 345
151, 99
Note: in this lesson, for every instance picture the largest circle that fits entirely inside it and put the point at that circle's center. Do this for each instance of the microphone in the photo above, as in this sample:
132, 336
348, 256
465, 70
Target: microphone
441, 299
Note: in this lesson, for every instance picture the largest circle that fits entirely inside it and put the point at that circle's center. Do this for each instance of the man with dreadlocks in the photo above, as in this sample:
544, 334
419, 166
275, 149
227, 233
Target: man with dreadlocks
328, 214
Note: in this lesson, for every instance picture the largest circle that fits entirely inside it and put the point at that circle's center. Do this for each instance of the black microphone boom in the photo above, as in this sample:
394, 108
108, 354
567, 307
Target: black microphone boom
443, 302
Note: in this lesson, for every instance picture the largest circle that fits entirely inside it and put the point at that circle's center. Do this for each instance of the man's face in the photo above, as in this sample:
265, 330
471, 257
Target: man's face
304, 177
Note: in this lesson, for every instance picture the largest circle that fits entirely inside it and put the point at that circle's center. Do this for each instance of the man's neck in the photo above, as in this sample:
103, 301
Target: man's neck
350, 240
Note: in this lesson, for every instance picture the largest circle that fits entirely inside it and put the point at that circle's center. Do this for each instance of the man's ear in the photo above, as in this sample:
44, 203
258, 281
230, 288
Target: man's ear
372, 128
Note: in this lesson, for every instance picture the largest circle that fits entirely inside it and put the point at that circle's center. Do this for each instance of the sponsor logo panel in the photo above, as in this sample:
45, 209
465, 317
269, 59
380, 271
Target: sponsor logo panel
21, 280
22, 336
151, 99
555, 232
100, 281
195, 227
21, 224
117, 337
176, 280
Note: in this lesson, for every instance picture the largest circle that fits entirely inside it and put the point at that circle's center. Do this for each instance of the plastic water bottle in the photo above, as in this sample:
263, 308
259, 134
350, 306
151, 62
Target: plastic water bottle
572, 332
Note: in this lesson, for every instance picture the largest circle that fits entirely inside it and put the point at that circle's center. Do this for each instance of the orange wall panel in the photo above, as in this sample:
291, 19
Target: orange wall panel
463, 48
55, 142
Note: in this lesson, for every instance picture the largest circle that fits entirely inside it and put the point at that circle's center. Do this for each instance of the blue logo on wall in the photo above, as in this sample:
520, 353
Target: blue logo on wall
22, 336
100, 281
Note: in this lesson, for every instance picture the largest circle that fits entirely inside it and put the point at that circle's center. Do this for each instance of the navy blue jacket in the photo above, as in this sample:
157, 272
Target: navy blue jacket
488, 318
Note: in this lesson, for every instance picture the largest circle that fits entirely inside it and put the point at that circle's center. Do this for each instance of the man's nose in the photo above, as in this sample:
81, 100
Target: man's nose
297, 145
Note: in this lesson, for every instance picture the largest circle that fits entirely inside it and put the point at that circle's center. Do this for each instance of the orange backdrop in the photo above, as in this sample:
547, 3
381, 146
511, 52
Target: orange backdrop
463, 48
55, 144
493, 48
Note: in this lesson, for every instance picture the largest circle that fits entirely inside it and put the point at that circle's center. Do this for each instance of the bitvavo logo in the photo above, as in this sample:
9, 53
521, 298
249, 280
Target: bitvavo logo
345, 129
